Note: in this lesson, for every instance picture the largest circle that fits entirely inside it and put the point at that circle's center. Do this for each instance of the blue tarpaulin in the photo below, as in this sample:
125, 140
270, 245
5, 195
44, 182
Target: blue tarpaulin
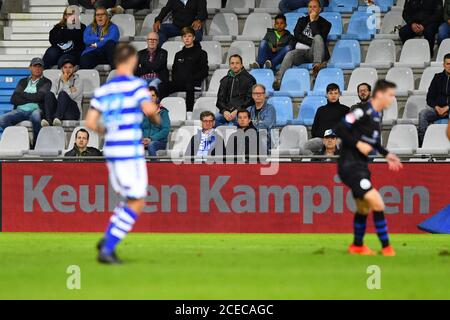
439, 223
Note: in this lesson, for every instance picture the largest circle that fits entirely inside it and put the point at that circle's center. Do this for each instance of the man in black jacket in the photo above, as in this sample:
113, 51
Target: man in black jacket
364, 92
80, 148
186, 13
311, 34
152, 65
190, 68
235, 92
438, 100
326, 117
423, 18
28, 99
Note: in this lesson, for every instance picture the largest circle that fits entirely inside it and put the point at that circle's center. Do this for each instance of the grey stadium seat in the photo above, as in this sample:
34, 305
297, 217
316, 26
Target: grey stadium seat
415, 54
50, 142
444, 48
94, 139
172, 48
224, 26
246, 49
52, 74
181, 138
147, 25
111, 75
126, 24
413, 106
139, 45
435, 140
391, 20
390, 114
292, 137
349, 101
380, 55
425, 80
360, 75
269, 6
240, 6
213, 6
225, 132
214, 51
202, 104
177, 110
215, 82
403, 139
91, 81
256, 26
403, 78
14, 142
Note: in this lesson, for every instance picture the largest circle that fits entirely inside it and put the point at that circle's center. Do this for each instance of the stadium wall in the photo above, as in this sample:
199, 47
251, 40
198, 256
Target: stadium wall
222, 198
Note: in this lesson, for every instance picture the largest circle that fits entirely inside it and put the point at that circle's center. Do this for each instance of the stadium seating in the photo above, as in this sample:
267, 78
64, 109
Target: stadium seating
246, 49
214, 51
349, 101
342, 6
225, 132
296, 82
15, 142
335, 19
139, 45
126, 24
268, 6
403, 139
181, 138
94, 139
361, 75
390, 25
147, 25
264, 77
215, 82
177, 110
444, 48
435, 140
308, 110
381, 54
202, 104
240, 6
172, 48
415, 54
292, 137
425, 80
283, 108
50, 142
362, 26
390, 115
413, 106
91, 81
324, 78
346, 55
291, 20
224, 26
403, 78
256, 26
9, 78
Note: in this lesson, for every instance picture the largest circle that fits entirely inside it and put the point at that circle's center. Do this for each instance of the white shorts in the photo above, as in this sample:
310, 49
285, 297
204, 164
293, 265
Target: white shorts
129, 178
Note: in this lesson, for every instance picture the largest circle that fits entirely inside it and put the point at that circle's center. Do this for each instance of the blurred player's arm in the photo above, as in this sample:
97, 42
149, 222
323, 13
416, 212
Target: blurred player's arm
93, 121
151, 110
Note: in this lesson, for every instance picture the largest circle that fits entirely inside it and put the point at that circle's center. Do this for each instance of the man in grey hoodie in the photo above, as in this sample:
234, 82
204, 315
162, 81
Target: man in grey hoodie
64, 100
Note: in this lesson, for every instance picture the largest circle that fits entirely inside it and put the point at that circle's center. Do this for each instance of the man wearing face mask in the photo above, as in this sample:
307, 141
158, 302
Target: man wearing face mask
66, 39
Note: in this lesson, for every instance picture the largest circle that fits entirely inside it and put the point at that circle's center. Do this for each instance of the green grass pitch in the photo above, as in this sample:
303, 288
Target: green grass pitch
222, 266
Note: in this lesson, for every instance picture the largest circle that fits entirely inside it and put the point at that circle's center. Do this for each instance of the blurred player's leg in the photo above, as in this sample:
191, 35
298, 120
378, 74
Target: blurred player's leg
359, 229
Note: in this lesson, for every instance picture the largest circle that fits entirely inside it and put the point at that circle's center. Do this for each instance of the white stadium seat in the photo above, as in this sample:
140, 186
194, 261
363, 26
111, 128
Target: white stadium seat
177, 110
214, 51
256, 26
435, 140
180, 139
215, 82
403, 139
240, 6
246, 49
91, 81
15, 142
390, 114
444, 48
126, 24
292, 138
381, 54
172, 48
224, 26
50, 142
425, 80
360, 75
403, 78
415, 54
413, 106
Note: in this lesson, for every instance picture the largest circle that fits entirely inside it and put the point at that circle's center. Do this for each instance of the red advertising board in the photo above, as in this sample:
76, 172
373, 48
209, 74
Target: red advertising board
299, 197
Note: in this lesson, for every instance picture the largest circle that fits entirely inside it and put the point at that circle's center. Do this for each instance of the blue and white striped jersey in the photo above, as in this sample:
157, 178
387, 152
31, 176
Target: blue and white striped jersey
120, 101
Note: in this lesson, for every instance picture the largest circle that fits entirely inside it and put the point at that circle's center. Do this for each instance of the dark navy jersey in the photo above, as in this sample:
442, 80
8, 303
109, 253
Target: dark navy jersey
362, 124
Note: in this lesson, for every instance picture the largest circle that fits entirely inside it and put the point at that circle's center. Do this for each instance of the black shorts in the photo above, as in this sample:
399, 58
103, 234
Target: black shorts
357, 179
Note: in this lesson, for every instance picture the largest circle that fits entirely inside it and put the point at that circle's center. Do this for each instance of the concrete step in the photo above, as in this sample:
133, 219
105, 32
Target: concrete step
32, 23
14, 64
34, 16
28, 30
47, 3
24, 44
26, 36
39, 9
11, 52
18, 57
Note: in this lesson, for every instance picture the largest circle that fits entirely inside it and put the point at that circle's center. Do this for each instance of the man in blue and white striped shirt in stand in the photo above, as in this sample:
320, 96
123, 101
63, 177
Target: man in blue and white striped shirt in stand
121, 103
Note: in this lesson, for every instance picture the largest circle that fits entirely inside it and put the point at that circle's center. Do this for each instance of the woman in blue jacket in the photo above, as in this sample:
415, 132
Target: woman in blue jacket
154, 136
100, 38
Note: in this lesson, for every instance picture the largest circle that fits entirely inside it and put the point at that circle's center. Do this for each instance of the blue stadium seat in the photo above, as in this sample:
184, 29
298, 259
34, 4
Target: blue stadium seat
362, 26
346, 55
283, 108
302, 10
291, 20
14, 72
296, 82
308, 110
324, 78
5, 105
264, 77
342, 6
384, 5
9, 78
441, 121
335, 19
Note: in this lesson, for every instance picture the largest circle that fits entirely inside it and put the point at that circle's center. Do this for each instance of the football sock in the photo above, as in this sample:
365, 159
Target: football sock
121, 223
359, 228
381, 227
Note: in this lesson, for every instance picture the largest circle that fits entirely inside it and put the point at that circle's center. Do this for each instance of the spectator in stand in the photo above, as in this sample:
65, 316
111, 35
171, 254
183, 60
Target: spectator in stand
438, 100
80, 148
152, 65
276, 44
190, 68
292, 5
330, 147
364, 93
326, 117
207, 142
262, 114
311, 34
423, 18
154, 136
100, 38
185, 13
444, 28
66, 39
235, 92
28, 99
64, 100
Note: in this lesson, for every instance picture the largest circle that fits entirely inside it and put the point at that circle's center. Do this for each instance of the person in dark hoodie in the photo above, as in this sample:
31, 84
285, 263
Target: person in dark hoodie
311, 34
66, 39
185, 13
326, 117
438, 100
190, 68
276, 44
423, 18
235, 92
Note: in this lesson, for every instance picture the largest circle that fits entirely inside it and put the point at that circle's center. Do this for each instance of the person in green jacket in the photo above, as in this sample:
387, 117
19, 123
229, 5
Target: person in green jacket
154, 136
444, 28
